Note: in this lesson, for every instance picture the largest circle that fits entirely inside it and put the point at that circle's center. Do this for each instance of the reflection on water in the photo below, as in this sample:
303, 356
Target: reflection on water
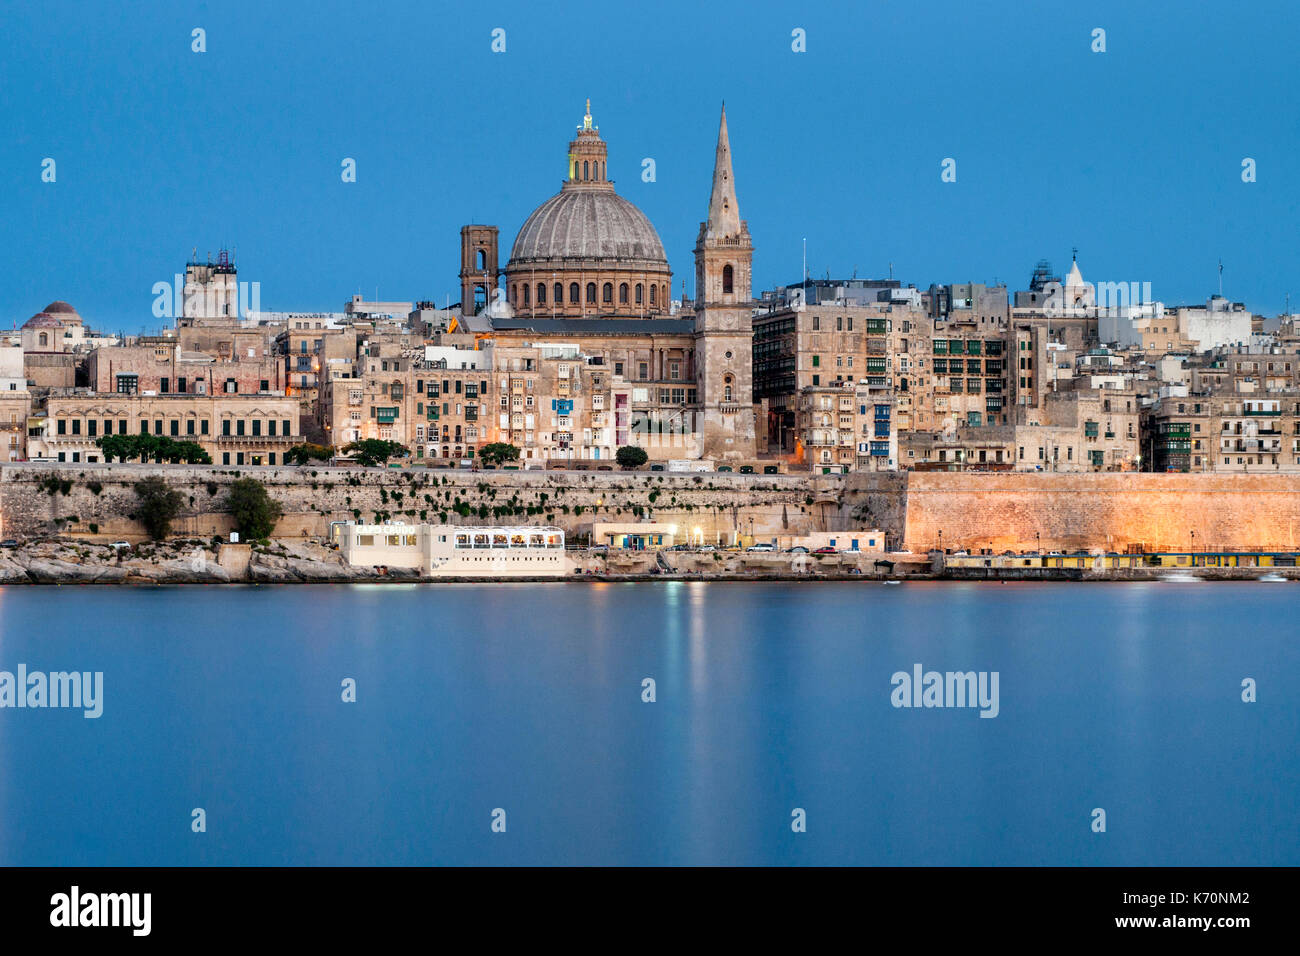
768, 697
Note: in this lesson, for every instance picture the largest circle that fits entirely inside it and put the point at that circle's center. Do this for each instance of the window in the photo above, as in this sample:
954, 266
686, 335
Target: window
189, 427
638, 293
164, 385
225, 427
727, 280
203, 427
239, 427
128, 384
559, 293
591, 292
622, 293
607, 293
61, 427
232, 387
574, 293
652, 295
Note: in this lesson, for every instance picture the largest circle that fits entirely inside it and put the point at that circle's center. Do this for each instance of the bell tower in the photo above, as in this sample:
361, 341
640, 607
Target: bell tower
724, 334
478, 267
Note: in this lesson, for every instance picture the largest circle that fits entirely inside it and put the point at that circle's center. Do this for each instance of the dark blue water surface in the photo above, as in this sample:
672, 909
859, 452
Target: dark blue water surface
770, 697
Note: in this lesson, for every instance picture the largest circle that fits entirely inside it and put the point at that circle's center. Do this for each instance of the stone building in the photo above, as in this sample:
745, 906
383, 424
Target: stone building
1224, 431
436, 406
161, 366
233, 429
826, 346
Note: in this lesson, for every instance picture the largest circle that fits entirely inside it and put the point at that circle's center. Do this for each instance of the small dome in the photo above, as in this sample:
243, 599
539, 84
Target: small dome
63, 310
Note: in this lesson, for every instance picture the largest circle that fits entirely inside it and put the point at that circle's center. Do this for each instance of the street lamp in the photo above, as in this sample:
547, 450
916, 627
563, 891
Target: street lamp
1038, 542
940, 539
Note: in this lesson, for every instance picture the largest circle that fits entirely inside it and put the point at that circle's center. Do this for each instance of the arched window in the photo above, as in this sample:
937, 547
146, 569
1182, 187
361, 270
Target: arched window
527, 294
652, 295
607, 293
541, 293
514, 293
638, 293
559, 294
591, 292
574, 293
482, 259
586, 174
622, 293
45, 339
727, 278
726, 389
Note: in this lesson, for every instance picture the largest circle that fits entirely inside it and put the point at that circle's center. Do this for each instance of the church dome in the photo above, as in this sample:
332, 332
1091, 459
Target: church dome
588, 223
59, 307
41, 320
588, 251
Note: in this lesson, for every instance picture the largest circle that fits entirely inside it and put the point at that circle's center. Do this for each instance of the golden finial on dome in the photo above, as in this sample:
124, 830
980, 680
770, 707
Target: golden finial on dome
586, 120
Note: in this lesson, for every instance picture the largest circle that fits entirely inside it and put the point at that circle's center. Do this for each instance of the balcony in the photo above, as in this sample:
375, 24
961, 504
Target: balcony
1274, 412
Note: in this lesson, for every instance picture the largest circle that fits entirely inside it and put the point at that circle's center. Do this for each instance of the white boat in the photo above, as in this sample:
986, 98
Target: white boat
1180, 577
1272, 578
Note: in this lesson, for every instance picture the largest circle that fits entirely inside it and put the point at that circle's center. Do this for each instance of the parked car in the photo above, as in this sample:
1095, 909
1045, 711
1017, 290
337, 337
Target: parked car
8, 543
746, 469
761, 546
706, 547
121, 546
656, 467
827, 550
797, 549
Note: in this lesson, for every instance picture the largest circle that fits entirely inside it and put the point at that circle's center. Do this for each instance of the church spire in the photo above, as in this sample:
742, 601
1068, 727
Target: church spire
724, 211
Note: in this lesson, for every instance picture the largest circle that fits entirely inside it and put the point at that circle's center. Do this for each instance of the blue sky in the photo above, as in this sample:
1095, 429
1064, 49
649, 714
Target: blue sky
1132, 155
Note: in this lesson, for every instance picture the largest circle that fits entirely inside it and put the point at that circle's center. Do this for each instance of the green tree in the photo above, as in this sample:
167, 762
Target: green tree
307, 452
630, 456
255, 512
155, 447
159, 504
498, 452
190, 452
375, 451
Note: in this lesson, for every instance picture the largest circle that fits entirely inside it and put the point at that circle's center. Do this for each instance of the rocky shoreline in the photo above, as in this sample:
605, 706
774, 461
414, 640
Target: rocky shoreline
68, 561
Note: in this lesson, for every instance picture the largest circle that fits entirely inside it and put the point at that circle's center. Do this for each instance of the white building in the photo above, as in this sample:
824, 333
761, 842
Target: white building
448, 551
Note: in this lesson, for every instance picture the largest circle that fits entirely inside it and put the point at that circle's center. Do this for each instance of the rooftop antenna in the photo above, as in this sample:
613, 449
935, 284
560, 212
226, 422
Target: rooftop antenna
1220, 278
891, 271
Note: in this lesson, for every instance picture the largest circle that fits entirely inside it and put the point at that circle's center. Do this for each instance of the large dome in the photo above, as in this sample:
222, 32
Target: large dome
586, 251
588, 223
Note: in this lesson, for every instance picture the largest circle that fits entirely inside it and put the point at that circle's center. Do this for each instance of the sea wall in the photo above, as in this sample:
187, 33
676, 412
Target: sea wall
1154, 512
44, 499
916, 510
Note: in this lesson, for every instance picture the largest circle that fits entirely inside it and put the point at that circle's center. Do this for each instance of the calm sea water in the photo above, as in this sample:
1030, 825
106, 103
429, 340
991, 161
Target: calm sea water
770, 697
